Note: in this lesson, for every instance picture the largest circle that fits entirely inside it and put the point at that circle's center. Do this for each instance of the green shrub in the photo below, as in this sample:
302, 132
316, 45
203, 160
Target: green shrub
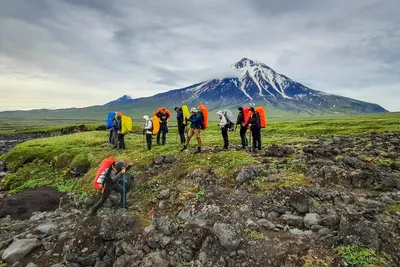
366, 257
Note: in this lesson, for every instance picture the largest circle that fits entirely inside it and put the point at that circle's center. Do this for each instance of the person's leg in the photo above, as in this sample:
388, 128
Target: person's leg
181, 129
159, 135
190, 135
164, 134
148, 140
254, 136
243, 136
259, 139
225, 137
123, 141
118, 188
197, 135
104, 197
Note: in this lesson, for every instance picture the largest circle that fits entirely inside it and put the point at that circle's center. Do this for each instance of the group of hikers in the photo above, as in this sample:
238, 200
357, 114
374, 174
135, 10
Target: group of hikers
111, 176
248, 118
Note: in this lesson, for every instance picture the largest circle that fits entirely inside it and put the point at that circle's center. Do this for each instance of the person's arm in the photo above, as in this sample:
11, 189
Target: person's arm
115, 177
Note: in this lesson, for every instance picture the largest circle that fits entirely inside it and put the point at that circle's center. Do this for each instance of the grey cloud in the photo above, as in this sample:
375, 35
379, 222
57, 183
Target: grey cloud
159, 45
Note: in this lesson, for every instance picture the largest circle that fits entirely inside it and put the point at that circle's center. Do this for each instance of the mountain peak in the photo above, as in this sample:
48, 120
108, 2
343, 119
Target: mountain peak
247, 62
124, 98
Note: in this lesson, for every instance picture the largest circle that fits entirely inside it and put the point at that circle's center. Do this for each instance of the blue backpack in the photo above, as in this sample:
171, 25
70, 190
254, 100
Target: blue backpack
110, 118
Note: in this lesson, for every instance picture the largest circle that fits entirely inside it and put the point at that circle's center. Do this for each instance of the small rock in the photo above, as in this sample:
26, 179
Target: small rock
47, 228
311, 219
158, 160
293, 220
164, 194
3, 167
386, 199
169, 159
228, 236
248, 174
19, 249
31, 264
324, 231
37, 217
232, 254
155, 259
301, 202
149, 229
58, 265
273, 215
100, 264
241, 253
266, 224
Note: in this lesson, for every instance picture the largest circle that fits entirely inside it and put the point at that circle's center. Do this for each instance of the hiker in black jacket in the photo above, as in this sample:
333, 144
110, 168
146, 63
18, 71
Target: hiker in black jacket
112, 182
255, 128
121, 137
243, 129
163, 115
181, 125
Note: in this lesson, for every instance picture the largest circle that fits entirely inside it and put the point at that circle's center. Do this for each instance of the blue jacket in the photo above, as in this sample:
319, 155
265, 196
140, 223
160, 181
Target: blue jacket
196, 121
179, 116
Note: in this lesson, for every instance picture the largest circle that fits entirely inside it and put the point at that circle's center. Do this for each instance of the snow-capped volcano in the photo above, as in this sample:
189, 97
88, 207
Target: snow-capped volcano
257, 83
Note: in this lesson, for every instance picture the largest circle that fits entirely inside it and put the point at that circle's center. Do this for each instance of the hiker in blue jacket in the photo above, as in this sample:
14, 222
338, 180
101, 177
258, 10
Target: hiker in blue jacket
196, 122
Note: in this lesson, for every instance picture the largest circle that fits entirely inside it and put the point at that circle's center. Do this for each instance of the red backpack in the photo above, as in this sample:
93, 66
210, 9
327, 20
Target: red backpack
104, 165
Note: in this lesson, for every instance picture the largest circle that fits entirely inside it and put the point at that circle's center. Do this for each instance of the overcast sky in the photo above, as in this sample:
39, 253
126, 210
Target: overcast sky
63, 53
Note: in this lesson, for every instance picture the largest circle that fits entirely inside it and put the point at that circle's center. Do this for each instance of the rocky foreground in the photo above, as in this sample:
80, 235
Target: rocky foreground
302, 202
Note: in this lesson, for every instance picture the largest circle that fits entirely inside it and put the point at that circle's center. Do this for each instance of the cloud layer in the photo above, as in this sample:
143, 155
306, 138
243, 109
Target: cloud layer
81, 52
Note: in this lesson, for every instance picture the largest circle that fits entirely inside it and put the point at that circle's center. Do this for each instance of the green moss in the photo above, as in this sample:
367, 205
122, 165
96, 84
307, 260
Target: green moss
358, 256
285, 179
254, 234
392, 209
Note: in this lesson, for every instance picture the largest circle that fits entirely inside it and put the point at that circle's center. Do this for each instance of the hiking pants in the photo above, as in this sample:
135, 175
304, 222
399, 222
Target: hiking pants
163, 131
225, 137
243, 136
108, 188
111, 136
149, 139
121, 141
181, 131
256, 134
196, 133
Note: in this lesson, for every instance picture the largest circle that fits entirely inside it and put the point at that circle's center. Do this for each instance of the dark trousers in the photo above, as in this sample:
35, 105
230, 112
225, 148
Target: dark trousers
121, 141
243, 136
149, 139
162, 133
256, 134
111, 137
225, 137
181, 131
108, 188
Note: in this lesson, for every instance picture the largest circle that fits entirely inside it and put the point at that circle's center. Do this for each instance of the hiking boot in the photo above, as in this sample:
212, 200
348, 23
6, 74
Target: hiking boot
184, 148
198, 150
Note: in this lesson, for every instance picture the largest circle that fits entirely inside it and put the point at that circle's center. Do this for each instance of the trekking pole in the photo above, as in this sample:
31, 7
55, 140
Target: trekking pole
124, 191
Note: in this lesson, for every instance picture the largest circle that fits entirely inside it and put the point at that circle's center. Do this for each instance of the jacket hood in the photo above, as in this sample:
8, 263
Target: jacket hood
146, 118
220, 113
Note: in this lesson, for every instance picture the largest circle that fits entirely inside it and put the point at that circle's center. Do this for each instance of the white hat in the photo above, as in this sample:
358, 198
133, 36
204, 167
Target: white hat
193, 110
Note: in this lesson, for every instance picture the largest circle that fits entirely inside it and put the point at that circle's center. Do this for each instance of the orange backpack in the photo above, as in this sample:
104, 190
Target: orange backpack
104, 165
262, 115
204, 114
167, 110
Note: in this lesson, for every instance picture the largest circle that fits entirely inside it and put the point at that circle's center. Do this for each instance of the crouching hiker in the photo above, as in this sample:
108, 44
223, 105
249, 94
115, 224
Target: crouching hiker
223, 125
111, 179
148, 131
196, 121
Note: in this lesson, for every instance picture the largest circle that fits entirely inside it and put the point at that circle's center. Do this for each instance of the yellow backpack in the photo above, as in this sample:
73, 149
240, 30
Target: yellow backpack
126, 124
156, 124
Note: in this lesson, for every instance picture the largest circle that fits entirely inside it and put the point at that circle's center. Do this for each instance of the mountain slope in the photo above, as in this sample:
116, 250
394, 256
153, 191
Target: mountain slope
254, 84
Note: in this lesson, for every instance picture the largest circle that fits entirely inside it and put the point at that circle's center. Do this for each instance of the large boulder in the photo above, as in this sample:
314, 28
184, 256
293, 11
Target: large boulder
19, 249
228, 237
